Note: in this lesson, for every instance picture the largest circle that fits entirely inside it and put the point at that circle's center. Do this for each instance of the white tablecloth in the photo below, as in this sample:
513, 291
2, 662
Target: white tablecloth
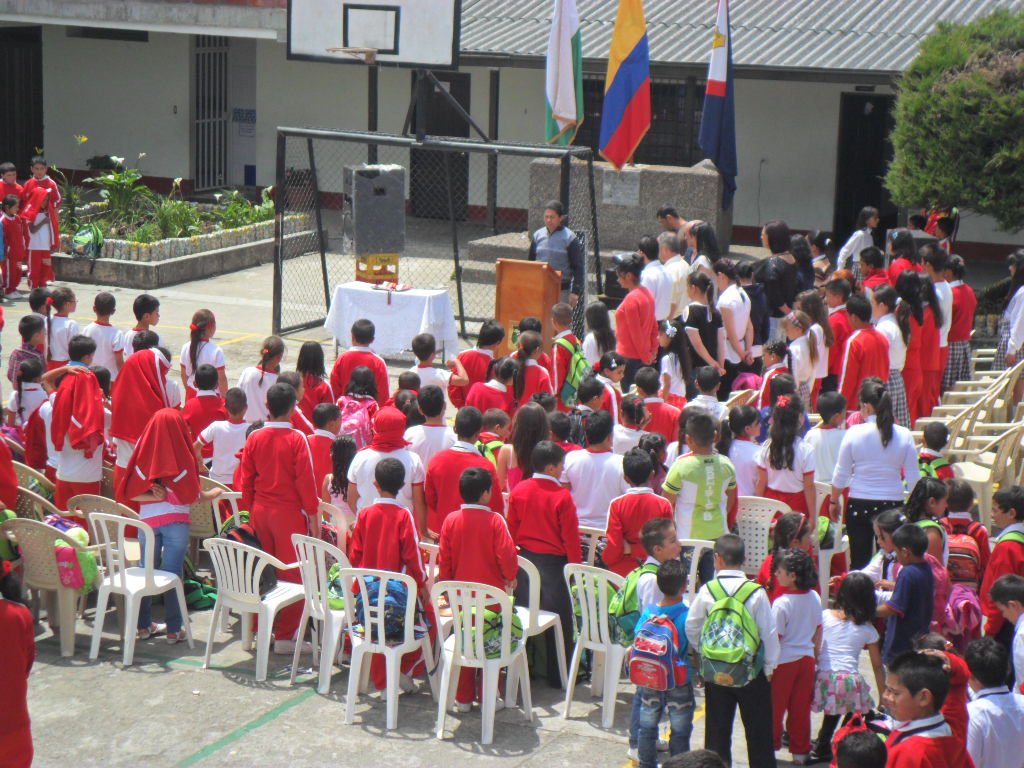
409, 313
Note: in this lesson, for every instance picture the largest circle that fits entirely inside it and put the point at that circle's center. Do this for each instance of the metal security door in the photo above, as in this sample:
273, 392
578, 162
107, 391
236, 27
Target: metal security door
211, 112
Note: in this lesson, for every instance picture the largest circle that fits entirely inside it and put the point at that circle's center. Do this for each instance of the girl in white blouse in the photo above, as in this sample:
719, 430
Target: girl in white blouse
1011, 323
849, 254
897, 332
803, 353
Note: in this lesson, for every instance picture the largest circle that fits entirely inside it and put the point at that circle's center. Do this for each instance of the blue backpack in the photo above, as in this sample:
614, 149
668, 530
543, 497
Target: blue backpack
396, 598
654, 659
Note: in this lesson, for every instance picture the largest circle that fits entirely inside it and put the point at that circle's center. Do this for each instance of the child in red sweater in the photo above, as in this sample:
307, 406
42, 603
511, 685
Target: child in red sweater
1007, 557
543, 523
15, 244
664, 417
496, 392
326, 426
476, 546
206, 407
385, 538
954, 708
444, 472
628, 513
477, 361
531, 377
915, 690
363, 333
563, 347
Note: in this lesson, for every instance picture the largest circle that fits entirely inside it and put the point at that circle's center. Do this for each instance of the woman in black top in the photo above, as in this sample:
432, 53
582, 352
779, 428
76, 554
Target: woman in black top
801, 251
778, 273
704, 328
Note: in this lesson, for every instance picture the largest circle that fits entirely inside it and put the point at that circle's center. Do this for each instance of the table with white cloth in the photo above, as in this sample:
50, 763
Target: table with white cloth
397, 316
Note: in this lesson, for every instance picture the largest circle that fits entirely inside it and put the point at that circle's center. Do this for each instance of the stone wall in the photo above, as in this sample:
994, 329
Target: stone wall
627, 201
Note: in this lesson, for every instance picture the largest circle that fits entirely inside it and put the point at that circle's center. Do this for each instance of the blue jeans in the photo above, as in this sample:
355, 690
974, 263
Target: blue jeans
170, 543
679, 703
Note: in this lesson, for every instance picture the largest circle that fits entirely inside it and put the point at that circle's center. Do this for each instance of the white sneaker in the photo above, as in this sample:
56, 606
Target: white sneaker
406, 684
633, 753
284, 647
12, 295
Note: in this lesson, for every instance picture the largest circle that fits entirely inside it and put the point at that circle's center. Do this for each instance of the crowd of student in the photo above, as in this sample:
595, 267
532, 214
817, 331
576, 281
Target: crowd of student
626, 431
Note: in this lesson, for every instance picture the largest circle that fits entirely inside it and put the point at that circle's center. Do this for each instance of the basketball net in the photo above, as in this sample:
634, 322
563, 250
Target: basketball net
367, 55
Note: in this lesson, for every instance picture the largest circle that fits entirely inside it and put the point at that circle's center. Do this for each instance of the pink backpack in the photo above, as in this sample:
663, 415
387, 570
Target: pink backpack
357, 418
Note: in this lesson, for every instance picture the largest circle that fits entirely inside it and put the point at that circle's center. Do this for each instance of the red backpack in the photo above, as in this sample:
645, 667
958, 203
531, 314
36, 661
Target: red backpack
964, 561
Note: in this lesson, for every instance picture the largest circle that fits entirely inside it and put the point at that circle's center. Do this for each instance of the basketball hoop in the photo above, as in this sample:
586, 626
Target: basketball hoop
367, 55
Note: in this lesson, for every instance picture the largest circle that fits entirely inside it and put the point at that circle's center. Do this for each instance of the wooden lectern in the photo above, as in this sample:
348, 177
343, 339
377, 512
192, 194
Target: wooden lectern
525, 289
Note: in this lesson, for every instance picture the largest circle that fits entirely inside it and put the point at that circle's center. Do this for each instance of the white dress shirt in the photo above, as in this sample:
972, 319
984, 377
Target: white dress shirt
995, 738
678, 270
595, 478
758, 605
655, 279
871, 471
849, 254
890, 328
945, 295
735, 299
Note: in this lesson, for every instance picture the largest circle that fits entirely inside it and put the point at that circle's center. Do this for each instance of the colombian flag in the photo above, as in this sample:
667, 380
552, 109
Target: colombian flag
626, 115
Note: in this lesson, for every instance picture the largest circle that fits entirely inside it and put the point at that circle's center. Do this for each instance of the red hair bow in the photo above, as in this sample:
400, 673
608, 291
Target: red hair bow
49, 301
193, 327
783, 401
5, 568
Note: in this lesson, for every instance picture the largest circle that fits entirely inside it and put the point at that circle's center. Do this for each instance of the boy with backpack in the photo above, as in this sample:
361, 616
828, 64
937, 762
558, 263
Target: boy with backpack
966, 538
385, 538
930, 459
589, 398
664, 416
1007, 557
570, 367
494, 432
731, 624
658, 666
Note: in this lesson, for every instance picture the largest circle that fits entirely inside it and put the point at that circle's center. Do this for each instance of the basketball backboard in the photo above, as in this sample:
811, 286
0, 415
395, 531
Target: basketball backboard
410, 33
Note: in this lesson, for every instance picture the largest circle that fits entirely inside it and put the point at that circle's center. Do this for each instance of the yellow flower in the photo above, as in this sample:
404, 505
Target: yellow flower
81, 139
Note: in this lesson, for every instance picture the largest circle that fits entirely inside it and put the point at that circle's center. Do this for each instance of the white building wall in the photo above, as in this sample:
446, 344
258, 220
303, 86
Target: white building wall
127, 97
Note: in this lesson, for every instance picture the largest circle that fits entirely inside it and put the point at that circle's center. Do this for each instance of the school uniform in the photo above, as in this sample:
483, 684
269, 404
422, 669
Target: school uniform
926, 743
31, 399
41, 198
664, 418
787, 484
934, 464
626, 517
15, 250
625, 438
427, 440
899, 266
764, 395
15, 666
839, 319
314, 392
611, 401
255, 382
560, 362
476, 361
46, 417
351, 359
78, 430
431, 376
595, 478
958, 365
867, 354
491, 394
108, 343
874, 278
1007, 557
931, 364
320, 442
888, 326
535, 379
226, 439
209, 354
62, 330
8, 478
201, 411
799, 358
743, 454
385, 538
128, 338
543, 523
475, 545
944, 293
299, 421
712, 405
797, 615
442, 482
995, 738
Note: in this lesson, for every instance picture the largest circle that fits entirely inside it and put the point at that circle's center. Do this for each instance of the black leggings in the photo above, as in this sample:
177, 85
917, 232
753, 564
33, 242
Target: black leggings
829, 723
860, 518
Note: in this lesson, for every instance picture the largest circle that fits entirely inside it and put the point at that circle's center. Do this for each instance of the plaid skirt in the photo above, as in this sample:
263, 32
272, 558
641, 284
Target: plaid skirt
999, 363
898, 394
803, 389
958, 367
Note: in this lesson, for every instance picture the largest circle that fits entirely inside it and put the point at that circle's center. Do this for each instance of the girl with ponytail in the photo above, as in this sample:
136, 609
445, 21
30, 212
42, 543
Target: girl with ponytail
895, 326
785, 463
925, 507
198, 350
931, 352
531, 377
911, 313
875, 457
256, 380
704, 327
804, 354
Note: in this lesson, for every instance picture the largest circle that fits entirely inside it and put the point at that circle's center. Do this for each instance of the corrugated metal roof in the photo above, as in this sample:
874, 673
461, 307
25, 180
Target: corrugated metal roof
849, 35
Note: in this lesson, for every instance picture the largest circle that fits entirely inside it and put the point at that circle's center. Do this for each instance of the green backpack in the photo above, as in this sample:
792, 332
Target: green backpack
1016, 536
199, 596
624, 607
731, 651
578, 369
492, 633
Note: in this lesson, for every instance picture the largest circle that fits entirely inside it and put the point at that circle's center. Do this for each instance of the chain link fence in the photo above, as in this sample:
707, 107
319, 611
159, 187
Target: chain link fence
448, 207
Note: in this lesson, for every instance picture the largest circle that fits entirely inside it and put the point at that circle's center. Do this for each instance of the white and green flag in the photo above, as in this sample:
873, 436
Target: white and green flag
564, 84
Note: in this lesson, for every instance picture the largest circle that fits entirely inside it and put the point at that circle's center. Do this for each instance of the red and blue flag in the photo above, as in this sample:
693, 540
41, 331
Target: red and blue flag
718, 120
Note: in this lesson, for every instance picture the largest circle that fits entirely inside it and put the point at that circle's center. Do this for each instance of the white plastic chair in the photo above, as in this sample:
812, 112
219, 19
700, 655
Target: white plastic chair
432, 552
232, 498
237, 568
537, 622
40, 572
753, 523
592, 587
841, 546
132, 583
698, 546
315, 558
465, 648
590, 537
368, 637
993, 462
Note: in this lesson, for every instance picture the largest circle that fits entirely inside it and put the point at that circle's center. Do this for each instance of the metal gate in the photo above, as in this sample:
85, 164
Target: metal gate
211, 112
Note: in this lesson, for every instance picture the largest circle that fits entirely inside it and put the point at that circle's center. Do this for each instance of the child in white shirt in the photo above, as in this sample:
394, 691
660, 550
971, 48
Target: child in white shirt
227, 438
433, 436
424, 346
62, 327
109, 341
824, 439
745, 424
785, 464
634, 418
256, 380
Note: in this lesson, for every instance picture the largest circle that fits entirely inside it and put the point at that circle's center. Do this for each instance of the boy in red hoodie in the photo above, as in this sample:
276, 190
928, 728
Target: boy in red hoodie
385, 538
664, 416
563, 346
543, 523
444, 472
477, 360
915, 690
278, 490
363, 333
1007, 557
867, 352
628, 513
326, 426
476, 546
41, 209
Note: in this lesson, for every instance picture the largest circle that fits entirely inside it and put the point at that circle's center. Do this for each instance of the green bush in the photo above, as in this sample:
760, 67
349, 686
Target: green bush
959, 133
175, 217
238, 211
